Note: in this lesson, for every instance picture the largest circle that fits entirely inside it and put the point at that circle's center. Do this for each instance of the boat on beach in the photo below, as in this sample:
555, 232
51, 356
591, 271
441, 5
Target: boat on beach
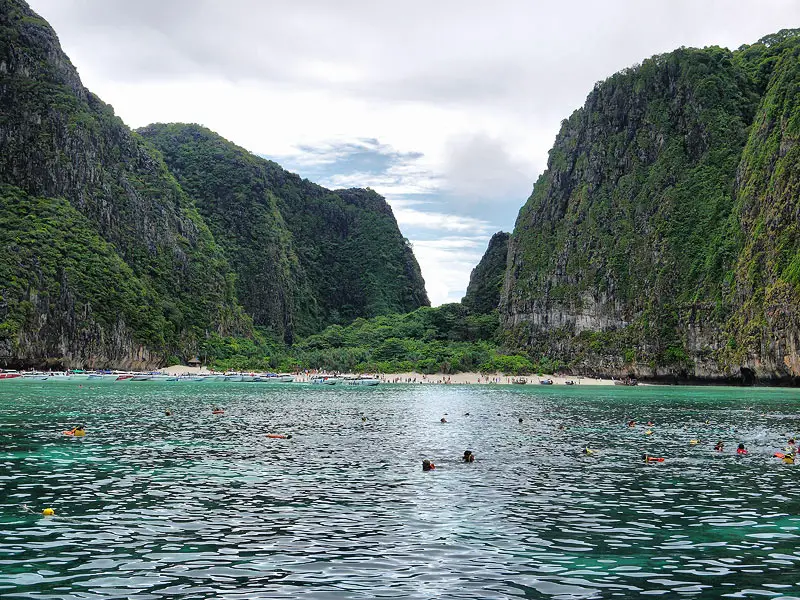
325, 380
547, 381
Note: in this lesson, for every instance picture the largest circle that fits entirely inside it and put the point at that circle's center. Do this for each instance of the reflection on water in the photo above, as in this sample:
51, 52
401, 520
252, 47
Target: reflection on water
197, 505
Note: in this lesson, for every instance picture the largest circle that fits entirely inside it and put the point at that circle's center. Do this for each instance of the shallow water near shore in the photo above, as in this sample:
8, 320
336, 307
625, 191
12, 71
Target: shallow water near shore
200, 506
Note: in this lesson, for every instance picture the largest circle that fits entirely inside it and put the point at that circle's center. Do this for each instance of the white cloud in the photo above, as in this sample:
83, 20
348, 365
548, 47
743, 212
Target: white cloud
443, 264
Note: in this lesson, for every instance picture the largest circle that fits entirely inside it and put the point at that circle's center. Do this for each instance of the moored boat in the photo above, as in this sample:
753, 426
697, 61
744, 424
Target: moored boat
325, 380
547, 381
10, 375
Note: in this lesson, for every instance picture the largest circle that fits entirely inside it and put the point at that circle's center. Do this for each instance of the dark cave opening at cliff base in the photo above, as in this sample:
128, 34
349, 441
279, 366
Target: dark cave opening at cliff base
748, 376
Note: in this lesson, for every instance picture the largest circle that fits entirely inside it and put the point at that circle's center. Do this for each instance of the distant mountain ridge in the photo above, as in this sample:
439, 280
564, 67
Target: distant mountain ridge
486, 280
302, 253
662, 240
107, 260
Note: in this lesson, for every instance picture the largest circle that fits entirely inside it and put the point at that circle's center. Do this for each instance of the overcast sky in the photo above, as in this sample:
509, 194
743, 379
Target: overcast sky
447, 108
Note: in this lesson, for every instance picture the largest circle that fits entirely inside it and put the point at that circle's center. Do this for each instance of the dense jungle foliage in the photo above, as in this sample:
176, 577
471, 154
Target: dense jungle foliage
446, 339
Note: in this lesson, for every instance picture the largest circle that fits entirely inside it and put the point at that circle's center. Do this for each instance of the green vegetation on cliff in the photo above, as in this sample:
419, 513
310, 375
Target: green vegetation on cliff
56, 267
297, 256
305, 256
661, 236
486, 280
59, 141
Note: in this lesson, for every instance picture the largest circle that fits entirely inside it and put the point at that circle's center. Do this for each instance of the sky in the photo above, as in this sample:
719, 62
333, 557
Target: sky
447, 108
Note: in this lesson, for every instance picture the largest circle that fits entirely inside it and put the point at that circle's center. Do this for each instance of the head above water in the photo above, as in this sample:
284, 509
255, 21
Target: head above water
427, 465
741, 446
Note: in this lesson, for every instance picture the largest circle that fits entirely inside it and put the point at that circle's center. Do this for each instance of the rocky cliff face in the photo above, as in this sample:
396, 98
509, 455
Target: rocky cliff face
106, 260
660, 241
59, 141
306, 257
486, 279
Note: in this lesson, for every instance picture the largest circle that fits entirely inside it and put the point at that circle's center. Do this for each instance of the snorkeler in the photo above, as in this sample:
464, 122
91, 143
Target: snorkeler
428, 465
468, 456
741, 449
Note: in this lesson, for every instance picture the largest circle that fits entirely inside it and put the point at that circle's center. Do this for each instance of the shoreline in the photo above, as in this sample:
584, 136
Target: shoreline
467, 378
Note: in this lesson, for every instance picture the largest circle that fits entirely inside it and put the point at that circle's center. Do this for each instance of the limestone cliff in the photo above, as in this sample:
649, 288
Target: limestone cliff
486, 279
58, 142
661, 240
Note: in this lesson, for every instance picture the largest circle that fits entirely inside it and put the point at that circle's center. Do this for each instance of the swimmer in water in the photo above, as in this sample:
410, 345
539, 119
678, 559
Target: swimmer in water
587, 452
650, 423
741, 449
168, 412
520, 419
719, 446
428, 465
631, 423
443, 420
468, 456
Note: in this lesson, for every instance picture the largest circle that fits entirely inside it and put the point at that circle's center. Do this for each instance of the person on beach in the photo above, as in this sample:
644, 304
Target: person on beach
741, 449
469, 456
428, 465
719, 446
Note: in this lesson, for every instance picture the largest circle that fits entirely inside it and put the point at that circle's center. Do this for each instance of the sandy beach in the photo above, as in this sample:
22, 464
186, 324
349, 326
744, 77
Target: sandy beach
440, 378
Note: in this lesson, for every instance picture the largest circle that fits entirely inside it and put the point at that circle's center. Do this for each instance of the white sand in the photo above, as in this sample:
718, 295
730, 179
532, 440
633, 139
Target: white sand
456, 378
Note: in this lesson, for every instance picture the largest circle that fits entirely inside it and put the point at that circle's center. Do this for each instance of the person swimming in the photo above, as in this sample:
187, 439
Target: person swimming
587, 451
168, 412
649, 459
468, 456
520, 419
719, 446
428, 465
741, 449
78, 431
631, 423
443, 420
650, 423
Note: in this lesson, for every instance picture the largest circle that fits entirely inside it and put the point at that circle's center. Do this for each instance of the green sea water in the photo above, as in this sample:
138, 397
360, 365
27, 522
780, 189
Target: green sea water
203, 506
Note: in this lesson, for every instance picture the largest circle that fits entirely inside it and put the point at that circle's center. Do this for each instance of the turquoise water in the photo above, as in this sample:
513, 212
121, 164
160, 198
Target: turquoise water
203, 506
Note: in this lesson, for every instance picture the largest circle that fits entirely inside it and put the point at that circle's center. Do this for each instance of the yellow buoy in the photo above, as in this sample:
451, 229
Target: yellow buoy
48, 512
